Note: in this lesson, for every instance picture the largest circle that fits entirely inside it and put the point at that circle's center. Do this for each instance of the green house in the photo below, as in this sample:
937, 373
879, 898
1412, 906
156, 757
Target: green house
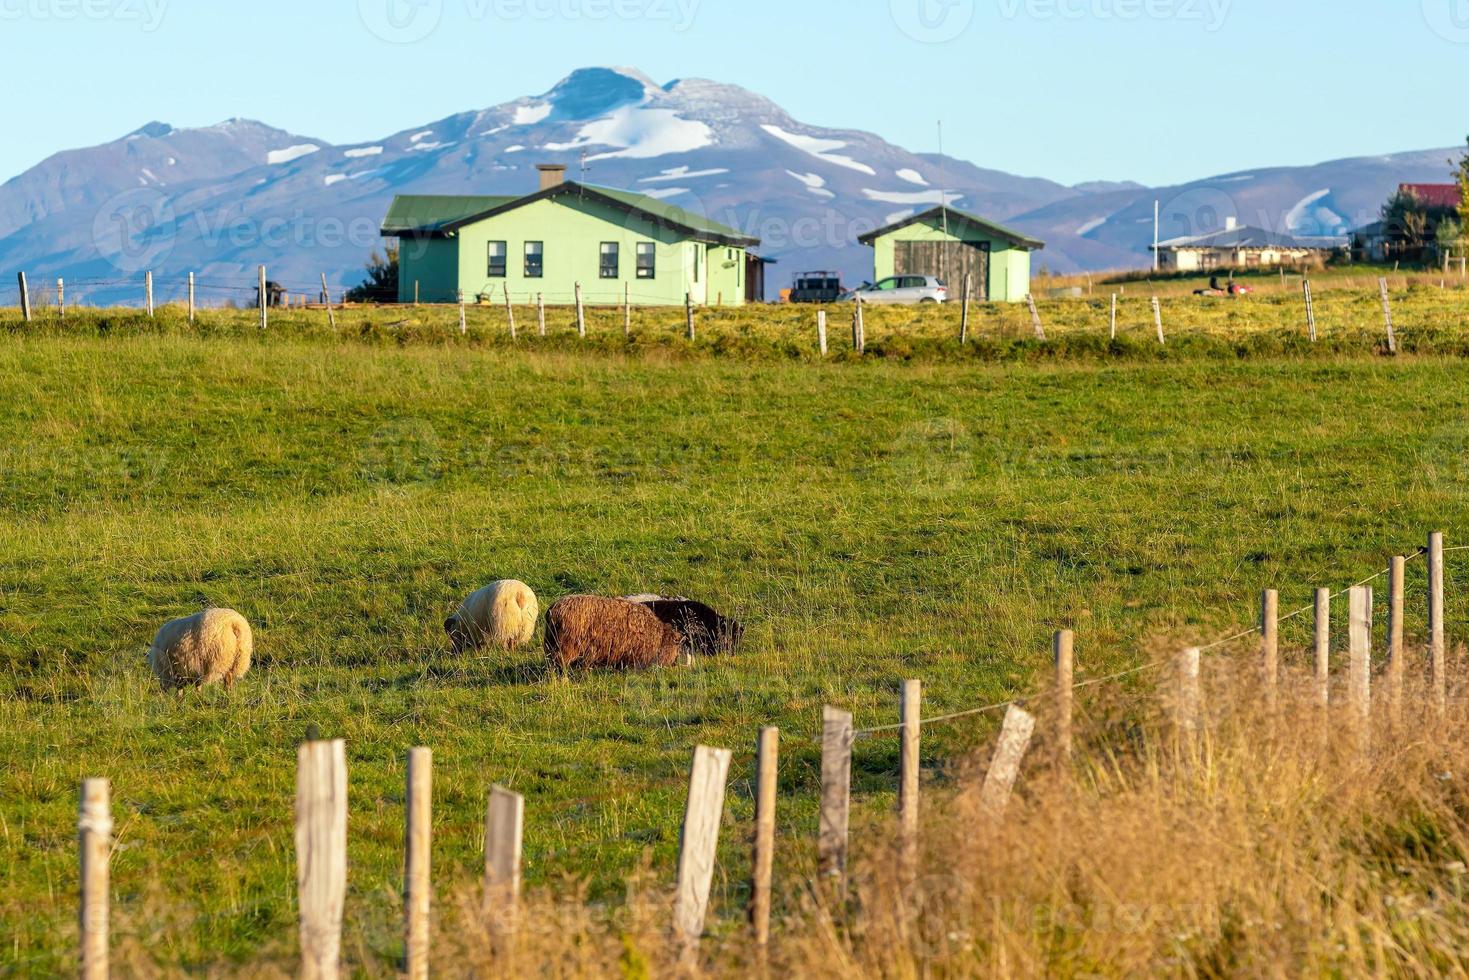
614, 244
956, 247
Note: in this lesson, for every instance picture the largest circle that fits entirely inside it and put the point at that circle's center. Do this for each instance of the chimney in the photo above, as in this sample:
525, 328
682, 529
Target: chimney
552, 175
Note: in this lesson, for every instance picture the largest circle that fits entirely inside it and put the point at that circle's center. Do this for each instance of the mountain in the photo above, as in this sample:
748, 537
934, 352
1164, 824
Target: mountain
223, 199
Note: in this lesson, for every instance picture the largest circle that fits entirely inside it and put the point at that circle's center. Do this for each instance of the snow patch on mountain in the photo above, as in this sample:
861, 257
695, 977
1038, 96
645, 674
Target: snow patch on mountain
659, 193
912, 197
514, 149
683, 173
819, 148
363, 151
640, 134
331, 179
1092, 225
529, 115
291, 153
431, 146
425, 134
912, 177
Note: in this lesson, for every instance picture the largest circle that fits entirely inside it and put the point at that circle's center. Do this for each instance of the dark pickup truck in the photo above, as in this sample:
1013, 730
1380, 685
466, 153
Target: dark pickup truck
817, 287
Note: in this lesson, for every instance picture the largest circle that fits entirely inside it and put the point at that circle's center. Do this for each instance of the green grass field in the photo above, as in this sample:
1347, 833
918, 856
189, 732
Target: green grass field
868, 521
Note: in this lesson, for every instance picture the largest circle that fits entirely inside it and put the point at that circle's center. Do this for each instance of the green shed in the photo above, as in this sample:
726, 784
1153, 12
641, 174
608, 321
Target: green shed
954, 246
615, 244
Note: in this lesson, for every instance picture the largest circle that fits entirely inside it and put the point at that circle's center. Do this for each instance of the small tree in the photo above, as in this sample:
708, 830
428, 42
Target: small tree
1449, 237
1461, 177
381, 284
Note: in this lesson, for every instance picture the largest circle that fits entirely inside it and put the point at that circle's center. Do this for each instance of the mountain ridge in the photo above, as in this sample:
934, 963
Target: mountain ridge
222, 199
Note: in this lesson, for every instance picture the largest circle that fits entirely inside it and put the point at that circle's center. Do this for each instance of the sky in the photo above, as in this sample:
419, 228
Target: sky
1157, 91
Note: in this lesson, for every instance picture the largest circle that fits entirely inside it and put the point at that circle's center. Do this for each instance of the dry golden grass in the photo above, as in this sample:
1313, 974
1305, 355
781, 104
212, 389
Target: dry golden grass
1272, 845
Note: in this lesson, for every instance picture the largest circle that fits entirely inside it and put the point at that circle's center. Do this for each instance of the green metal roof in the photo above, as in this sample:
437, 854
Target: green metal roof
992, 228
425, 213
436, 215
671, 213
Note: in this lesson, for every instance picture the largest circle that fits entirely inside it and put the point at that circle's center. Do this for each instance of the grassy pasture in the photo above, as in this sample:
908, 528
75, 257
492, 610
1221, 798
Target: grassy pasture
869, 521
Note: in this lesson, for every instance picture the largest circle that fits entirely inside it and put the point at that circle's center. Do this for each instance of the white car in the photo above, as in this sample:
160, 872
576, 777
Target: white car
901, 289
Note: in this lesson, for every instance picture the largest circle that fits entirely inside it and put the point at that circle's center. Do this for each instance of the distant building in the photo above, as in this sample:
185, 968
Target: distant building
613, 243
1243, 248
1381, 242
954, 246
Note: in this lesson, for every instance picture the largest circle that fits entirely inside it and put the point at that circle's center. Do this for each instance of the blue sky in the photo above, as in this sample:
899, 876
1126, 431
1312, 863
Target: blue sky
1152, 90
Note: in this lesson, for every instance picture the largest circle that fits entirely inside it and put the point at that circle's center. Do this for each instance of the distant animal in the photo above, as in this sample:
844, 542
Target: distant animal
502, 615
704, 631
597, 633
209, 647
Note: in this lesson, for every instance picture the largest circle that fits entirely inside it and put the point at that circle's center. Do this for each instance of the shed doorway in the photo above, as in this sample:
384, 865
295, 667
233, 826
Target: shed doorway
952, 262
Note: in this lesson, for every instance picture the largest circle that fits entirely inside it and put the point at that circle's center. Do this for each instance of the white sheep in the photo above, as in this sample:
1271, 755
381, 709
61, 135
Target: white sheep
205, 648
501, 615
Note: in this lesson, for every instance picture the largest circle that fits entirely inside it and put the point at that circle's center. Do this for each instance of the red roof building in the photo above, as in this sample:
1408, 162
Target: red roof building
1435, 195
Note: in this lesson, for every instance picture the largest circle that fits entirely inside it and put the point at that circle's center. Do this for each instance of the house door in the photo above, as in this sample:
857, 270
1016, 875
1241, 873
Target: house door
952, 262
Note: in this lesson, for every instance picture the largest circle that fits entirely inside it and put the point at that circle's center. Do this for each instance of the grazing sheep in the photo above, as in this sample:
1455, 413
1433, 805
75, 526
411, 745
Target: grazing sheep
593, 632
704, 631
501, 615
205, 648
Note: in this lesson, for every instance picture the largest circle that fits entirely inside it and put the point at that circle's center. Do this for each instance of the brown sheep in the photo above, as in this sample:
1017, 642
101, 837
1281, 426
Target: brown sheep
610, 634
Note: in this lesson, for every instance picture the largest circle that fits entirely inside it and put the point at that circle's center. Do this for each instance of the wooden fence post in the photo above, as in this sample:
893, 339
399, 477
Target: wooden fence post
326, 297
1270, 642
321, 855
763, 859
688, 313
999, 782
191, 297
626, 310
836, 792
541, 314
1360, 677
148, 292
417, 848
1310, 310
1158, 319
262, 300
699, 842
463, 322
909, 767
1063, 646
859, 330
1392, 340
821, 331
1035, 318
1189, 697
509, 313
1114, 316
415, 292
1397, 581
1322, 659
61, 297
94, 833
1436, 641
581, 316
25, 298
504, 836
964, 314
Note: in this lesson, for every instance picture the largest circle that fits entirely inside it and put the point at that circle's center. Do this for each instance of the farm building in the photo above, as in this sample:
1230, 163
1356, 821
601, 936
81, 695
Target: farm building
1245, 247
613, 243
954, 246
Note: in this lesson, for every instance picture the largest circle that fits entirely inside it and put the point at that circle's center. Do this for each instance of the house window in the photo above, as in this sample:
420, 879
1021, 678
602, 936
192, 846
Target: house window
647, 260
609, 264
496, 269
535, 254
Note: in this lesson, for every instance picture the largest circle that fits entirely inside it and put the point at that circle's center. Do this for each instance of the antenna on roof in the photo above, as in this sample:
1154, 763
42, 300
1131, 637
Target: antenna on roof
943, 186
584, 167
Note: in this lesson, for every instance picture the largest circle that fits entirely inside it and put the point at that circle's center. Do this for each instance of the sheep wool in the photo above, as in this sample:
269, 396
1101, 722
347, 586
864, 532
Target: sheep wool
704, 631
593, 632
502, 615
210, 647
